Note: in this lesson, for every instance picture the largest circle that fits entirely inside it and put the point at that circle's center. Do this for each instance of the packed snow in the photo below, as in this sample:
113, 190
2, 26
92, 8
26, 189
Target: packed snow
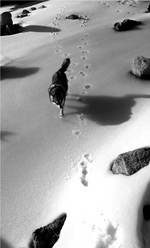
50, 165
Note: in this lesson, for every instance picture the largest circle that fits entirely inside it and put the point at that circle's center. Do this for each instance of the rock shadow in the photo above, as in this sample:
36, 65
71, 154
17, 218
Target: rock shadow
143, 78
41, 29
5, 134
11, 72
4, 243
104, 110
143, 227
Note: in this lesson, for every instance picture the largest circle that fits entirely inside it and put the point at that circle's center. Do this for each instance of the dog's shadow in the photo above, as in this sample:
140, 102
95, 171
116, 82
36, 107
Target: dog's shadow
104, 110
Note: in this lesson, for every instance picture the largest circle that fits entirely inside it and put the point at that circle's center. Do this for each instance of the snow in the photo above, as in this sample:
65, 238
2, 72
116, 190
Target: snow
52, 165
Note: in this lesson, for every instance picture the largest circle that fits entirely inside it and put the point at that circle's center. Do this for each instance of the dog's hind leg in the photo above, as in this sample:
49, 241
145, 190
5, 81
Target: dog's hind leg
61, 112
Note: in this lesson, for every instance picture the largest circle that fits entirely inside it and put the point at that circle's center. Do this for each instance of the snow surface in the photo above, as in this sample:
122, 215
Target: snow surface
52, 165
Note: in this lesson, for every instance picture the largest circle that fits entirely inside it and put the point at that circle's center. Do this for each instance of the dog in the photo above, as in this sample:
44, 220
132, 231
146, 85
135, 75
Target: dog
59, 86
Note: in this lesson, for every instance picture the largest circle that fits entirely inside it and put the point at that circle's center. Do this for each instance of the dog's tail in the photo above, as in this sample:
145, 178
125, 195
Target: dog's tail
65, 64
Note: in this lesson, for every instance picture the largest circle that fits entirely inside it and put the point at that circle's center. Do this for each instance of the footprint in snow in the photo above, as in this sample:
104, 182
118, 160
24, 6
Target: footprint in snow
72, 77
85, 164
74, 64
85, 51
66, 55
76, 132
87, 86
57, 50
82, 73
70, 70
106, 234
83, 92
87, 66
84, 43
82, 118
79, 47
84, 57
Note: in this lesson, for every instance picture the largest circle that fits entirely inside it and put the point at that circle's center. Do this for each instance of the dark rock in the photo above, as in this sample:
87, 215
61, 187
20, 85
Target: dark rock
127, 24
141, 67
25, 12
148, 8
47, 236
13, 29
73, 17
6, 19
6, 24
42, 7
33, 8
22, 15
130, 162
146, 212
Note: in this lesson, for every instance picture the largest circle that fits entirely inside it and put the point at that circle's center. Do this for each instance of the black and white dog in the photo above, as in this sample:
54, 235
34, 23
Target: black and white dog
59, 87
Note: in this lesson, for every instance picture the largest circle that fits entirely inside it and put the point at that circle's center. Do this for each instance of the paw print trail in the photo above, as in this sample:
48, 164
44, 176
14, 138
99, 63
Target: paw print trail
85, 168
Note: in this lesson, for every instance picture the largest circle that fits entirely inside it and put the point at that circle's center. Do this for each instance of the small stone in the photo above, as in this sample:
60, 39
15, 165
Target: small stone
131, 162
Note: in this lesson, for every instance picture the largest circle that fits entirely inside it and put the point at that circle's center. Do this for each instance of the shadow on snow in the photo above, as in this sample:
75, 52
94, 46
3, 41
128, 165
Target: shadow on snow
4, 244
104, 110
42, 29
5, 134
11, 72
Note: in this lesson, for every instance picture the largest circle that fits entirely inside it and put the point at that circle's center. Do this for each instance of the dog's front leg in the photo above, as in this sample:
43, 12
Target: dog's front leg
62, 109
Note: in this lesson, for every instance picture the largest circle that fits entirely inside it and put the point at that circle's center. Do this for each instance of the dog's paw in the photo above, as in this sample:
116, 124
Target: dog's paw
61, 114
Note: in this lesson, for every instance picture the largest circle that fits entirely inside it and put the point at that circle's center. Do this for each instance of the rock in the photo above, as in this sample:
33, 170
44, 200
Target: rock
141, 67
47, 236
127, 24
130, 162
6, 19
6, 23
73, 17
146, 212
25, 12
22, 15
33, 8
42, 7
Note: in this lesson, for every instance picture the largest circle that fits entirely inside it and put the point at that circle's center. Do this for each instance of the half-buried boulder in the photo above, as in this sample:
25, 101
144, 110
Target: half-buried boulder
130, 162
47, 236
73, 17
141, 67
148, 8
127, 24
